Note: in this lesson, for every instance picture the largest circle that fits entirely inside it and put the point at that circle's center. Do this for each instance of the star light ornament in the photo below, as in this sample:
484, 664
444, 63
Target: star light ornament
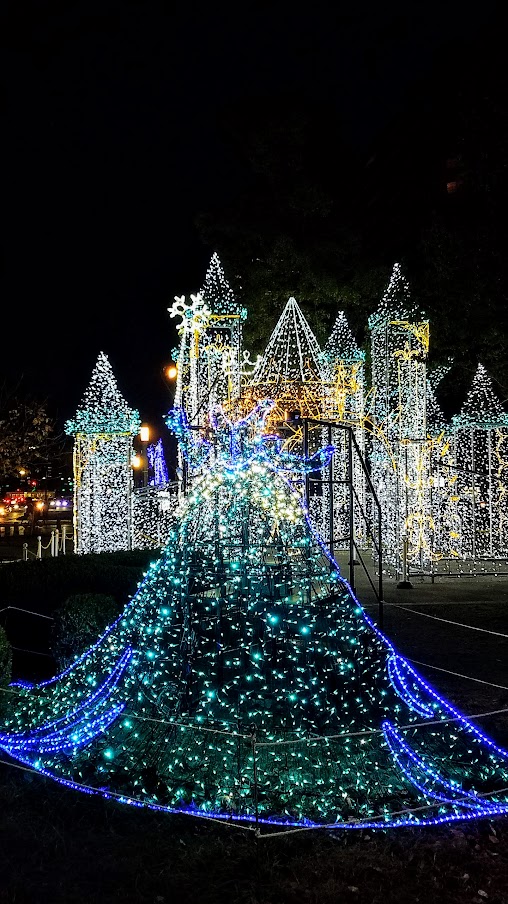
103, 430
245, 683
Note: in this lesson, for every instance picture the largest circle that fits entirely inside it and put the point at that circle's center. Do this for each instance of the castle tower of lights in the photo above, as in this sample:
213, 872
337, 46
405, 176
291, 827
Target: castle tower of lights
480, 434
343, 369
220, 362
210, 358
443, 484
103, 429
400, 466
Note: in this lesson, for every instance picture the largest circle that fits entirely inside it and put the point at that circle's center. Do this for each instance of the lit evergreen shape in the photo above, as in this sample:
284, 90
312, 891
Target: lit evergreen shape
243, 681
216, 290
481, 409
103, 430
341, 345
436, 421
396, 303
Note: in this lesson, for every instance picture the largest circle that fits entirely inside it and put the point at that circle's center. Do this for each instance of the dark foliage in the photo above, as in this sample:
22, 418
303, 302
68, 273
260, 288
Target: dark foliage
79, 622
320, 219
45, 584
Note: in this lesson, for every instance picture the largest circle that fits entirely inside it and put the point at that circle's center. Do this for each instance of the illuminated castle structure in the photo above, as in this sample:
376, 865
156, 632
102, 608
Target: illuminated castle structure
110, 513
441, 485
244, 682
343, 369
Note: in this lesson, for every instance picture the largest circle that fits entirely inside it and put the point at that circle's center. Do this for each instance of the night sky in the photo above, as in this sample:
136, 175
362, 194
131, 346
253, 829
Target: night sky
111, 149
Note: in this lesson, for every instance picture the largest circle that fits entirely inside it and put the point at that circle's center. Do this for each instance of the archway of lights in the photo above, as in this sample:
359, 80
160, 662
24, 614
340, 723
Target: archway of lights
244, 682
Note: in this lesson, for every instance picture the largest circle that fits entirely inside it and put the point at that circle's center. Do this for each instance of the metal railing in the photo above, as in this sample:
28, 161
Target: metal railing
357, 509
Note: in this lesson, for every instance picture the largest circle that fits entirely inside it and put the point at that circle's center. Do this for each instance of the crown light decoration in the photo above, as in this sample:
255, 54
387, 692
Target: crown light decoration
245, 683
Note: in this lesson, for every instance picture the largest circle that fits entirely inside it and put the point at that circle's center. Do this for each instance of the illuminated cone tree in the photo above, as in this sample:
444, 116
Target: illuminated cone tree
243, 681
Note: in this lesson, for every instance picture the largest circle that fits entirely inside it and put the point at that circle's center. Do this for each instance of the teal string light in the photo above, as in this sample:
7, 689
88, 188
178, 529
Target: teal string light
244, 681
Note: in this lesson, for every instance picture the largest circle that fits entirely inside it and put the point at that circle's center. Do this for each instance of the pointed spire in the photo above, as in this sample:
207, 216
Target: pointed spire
292, 352
103, 409
481, 409
396, 303
216, 290
341, 344
436, 421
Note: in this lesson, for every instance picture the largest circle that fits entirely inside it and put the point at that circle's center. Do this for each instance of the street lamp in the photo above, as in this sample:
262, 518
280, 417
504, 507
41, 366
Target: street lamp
144, 435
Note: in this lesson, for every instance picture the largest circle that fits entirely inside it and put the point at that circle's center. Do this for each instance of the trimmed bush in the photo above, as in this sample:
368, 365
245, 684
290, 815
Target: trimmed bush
78, 623
5, 665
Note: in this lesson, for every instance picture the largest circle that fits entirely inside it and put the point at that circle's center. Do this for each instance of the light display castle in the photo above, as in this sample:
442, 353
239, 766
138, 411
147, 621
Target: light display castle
244, 682
441, 485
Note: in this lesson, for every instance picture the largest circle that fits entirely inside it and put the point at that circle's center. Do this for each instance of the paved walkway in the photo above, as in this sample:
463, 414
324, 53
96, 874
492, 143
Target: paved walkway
463, 589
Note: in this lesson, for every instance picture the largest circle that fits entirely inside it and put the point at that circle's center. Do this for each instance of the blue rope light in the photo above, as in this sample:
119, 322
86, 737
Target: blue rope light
244, 681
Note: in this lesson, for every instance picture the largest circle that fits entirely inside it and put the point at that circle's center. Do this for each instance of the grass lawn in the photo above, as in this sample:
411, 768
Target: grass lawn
58, 846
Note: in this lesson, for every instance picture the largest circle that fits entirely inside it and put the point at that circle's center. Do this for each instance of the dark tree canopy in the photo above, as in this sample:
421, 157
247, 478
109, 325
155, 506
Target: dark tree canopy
28, 435
308, 214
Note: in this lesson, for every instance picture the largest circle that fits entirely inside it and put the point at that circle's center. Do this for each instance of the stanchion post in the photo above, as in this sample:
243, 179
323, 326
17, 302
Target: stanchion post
39, 547
25, 552
405, 583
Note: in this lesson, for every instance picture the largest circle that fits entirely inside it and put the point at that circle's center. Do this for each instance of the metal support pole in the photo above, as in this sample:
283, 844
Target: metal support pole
405, 583
351, 519
255, 777
305, 455
330, 498
39, 547
25, 552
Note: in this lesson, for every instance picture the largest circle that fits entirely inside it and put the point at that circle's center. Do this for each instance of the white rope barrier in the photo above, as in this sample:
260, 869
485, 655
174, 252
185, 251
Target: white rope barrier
501, 687
447, 621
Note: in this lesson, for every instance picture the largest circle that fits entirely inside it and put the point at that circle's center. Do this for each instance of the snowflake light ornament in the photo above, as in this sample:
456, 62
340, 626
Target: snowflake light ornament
195, 316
